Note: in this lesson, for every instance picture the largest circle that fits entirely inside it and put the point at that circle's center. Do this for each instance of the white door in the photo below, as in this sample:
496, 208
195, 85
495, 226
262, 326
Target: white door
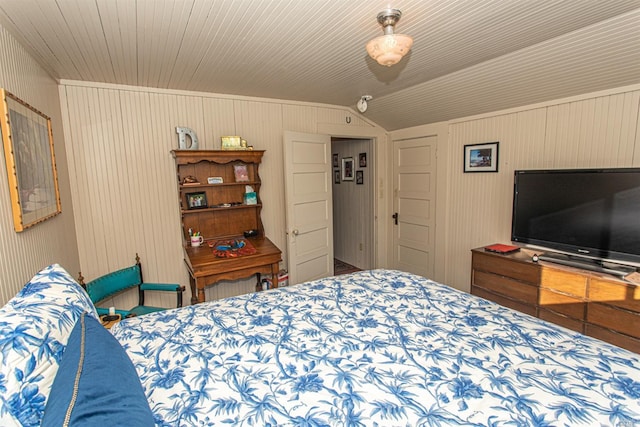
309, 223
414, 184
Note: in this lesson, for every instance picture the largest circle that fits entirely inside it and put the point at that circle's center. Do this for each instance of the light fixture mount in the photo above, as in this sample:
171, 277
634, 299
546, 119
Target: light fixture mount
388, 18
390, 48
362, 103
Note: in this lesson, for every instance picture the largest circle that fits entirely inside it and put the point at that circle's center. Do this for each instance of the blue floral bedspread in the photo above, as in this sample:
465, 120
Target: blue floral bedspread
376, 348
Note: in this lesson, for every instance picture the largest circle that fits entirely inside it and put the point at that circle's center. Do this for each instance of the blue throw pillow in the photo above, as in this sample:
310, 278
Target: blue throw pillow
34, 329
96, 385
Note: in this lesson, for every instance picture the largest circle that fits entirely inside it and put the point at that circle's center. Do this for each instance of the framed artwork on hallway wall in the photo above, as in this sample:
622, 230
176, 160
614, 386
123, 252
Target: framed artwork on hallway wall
31, 166
347, 169
362, 160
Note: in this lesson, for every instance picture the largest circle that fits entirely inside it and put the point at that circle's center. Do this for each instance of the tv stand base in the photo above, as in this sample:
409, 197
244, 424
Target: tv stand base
587, 264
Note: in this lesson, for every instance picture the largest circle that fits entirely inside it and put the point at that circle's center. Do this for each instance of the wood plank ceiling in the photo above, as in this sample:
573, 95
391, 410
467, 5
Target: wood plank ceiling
469, 56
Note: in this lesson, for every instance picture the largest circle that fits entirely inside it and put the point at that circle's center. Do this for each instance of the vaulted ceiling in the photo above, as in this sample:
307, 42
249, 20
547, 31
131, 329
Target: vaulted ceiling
468, 57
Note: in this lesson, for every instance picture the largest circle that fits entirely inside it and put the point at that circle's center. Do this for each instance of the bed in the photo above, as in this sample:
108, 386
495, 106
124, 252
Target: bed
374, 348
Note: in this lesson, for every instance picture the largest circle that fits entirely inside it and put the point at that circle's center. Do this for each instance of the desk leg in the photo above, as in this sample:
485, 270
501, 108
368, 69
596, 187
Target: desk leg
192, 286
200, 284
275, 269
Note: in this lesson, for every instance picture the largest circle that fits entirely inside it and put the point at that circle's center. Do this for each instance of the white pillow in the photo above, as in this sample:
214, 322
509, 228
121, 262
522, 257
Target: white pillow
34, 329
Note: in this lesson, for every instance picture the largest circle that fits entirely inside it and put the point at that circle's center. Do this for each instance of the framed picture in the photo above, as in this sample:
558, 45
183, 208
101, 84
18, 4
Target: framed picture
336, 176
197, 200
241, 173
359, 177
481, 157
31, 163
362, 160
335, 160
347, 169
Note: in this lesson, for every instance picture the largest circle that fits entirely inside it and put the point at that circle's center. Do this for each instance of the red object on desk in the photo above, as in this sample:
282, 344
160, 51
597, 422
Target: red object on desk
232, 248
501, 248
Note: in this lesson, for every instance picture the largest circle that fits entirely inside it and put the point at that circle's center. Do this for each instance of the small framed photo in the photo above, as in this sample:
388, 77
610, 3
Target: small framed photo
197, 200
359, 177
481, 157
347, 169
241, 173
362, 160
335, 160
336, 176
230, 142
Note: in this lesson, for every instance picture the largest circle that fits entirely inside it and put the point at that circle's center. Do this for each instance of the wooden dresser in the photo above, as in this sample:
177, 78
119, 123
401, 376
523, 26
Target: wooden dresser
595, 304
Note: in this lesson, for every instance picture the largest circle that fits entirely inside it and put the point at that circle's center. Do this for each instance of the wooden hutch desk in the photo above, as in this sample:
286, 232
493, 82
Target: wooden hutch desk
226, 215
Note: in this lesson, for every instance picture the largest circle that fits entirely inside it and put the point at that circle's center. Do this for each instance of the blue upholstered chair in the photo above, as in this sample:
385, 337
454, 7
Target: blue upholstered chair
121, 280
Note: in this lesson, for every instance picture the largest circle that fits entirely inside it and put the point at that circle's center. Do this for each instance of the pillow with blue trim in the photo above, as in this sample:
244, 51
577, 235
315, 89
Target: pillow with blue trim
97, 384
34, 329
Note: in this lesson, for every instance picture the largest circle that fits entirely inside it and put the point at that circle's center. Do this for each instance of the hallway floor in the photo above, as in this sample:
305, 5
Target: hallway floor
340, 267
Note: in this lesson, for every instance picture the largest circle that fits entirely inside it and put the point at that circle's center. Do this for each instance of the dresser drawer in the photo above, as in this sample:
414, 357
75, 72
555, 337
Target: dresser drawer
559, 319
502, 266
616, 293
504, 301
614, 318
564, 281
505, 286
614, 338
562, 303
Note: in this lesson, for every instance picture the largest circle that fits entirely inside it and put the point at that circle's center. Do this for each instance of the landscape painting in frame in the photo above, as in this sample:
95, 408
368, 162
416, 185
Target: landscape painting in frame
30, 159
481, 157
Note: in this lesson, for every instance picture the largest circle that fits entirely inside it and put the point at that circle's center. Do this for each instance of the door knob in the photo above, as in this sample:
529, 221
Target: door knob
395, 218
295, 232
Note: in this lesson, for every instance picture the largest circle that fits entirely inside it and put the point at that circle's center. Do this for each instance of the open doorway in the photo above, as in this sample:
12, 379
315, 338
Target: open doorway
353, 213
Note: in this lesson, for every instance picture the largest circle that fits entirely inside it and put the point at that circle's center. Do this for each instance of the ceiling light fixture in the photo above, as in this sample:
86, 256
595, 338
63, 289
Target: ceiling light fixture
362, 103
389, 49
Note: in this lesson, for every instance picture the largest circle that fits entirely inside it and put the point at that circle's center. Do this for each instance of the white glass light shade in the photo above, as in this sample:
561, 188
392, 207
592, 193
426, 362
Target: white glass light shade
389, 49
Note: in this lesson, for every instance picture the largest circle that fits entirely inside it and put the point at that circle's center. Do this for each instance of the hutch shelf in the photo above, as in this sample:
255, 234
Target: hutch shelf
211, 188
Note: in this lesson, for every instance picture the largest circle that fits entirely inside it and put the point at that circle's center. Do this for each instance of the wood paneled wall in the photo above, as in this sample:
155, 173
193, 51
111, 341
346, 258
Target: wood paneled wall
353, 206
600, 130
117, 178
53, 241
123, 176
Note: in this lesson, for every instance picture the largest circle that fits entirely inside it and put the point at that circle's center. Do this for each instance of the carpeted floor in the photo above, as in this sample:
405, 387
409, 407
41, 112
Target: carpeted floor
340, 267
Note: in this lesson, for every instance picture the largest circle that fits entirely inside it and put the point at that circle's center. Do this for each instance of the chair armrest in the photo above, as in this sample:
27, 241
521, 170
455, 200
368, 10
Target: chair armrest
161, 287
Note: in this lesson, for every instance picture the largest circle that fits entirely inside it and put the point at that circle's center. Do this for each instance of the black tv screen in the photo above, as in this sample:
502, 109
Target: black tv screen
593, 213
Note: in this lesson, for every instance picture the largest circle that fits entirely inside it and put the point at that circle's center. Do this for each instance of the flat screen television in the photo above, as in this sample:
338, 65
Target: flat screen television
590, 215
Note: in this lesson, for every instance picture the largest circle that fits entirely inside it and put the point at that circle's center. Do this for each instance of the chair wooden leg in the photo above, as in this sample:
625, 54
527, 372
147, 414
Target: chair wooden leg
179, 291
